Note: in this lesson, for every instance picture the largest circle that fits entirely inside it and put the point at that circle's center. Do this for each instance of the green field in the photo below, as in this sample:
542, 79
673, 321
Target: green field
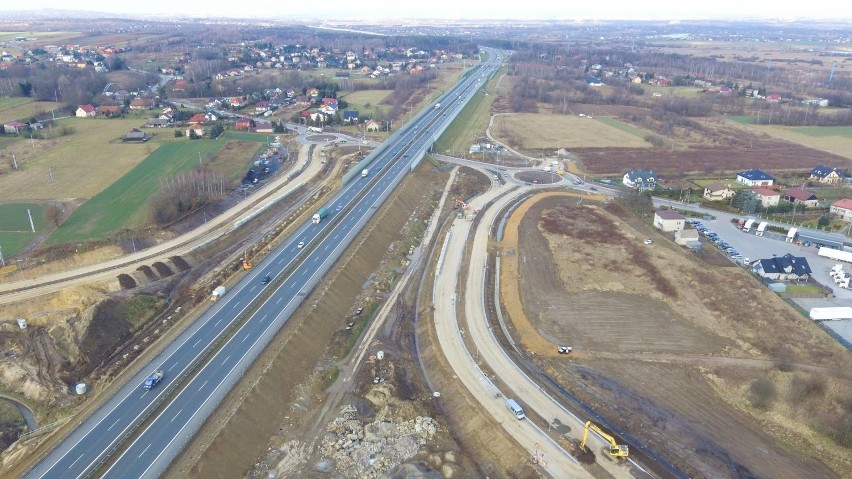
622, 126
122, 204
470, 122
20, 108
246, 136
359, 100
823, 131
15, 230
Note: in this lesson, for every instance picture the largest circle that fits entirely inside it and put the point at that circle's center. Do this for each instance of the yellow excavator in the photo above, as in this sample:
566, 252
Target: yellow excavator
246, 263
615, 450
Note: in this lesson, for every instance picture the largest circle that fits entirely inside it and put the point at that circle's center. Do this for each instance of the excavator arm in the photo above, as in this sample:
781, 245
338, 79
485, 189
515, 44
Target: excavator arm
615, 449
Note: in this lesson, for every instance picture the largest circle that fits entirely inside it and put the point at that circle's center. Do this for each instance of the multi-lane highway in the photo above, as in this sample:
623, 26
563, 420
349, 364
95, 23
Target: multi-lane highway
179, 407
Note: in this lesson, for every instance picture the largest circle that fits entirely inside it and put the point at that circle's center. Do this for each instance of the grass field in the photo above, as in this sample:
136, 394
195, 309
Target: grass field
471, 122
15, 230
366, 102
552, 131
247, 136
122, 204
19, 108
837, 140
672, 91
81, 164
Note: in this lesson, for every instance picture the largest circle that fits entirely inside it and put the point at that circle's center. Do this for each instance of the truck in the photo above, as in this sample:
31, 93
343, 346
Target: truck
315, 129
319, 215
792, 235
761, 228
437, 106
364, 173
748, 224
153, 379
516, 409
835, 254
217, 293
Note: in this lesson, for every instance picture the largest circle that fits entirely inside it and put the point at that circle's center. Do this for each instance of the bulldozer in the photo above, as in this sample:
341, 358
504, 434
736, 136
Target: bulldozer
615, 450
246, 262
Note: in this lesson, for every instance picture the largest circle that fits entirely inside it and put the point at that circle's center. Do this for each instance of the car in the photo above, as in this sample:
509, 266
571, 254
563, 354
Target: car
358, 311
565, 349
593, 188
338, 207
266, 279
505, 174
301, 245
648, 241
736, 256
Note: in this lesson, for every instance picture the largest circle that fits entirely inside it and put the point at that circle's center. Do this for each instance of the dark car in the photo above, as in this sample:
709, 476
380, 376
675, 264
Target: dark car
266, 279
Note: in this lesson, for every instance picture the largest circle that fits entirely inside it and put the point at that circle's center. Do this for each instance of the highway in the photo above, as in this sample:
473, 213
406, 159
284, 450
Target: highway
83, 452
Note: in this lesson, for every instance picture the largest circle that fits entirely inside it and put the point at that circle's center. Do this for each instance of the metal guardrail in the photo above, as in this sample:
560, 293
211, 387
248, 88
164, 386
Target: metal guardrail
43, 429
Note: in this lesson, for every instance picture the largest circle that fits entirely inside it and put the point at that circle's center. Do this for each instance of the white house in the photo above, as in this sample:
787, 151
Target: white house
755, 178
640, 179
843, 209
767, 197
718, 192
669, 220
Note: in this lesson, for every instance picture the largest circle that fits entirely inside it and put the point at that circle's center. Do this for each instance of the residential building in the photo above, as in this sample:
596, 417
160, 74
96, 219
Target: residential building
669, 220
243, 124
197, 119
85, 111
373, 125
350, 116
110, 110
842, 209
767, 197
755, 178
827, 175
783, 268
264, 127
196, 130
718, 192
801, 196
640, 179
156, 123
142, 104
685, 237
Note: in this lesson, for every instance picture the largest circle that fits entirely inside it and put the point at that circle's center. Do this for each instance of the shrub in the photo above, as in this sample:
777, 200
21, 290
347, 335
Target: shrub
761, 393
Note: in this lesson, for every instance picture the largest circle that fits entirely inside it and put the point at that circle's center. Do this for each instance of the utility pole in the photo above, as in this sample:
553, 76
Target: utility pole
14, 161
30, 215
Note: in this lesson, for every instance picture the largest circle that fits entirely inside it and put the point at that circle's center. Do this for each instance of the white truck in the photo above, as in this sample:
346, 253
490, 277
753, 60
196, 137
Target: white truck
748, 225
761, 228
315, 129
516, 409
365, 172
835, 254
217, 293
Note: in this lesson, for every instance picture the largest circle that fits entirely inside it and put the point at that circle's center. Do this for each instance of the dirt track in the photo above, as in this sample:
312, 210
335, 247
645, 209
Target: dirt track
589, 286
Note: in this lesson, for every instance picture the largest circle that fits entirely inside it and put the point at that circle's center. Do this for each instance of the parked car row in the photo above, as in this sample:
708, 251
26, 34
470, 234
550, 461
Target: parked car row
715, 239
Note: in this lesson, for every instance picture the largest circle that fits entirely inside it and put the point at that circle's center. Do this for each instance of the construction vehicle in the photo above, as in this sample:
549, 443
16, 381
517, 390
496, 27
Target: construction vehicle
153, 379
246, 262
461, 204
615, 450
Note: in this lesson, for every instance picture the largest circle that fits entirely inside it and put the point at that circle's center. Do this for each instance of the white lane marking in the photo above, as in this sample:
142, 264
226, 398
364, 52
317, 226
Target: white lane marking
196, 343
279, 299
202, 386
225, 360
244, 339
75, 461
176, 415
113, 425
173, 366
145, 450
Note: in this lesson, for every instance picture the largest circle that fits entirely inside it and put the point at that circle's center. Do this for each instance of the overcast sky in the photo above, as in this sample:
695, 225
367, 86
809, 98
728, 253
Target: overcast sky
462, 9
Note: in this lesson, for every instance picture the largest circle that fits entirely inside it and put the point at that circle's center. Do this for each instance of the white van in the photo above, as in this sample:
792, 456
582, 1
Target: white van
516, 409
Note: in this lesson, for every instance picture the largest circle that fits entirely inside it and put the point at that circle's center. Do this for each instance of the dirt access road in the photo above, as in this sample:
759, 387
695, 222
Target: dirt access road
219, 226
666, 345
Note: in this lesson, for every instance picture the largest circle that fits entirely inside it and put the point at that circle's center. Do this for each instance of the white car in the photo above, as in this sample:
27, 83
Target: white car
301, 244
648, 241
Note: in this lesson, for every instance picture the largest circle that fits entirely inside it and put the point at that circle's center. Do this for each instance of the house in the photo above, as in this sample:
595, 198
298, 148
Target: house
755, 178
773, 97
303, 101
767, 197
593, 81
156, 123
142, 104
640, 179
801, 196
787, 267
85, 111
110, 110
135, 136
669, 220
313, 92
686, 237
718, 192
196, 130
243, 124
210, 116
842, 209
350, 116
825, 174
330, 102
261, 107
197, 119
373, 125
13, 127
264, 127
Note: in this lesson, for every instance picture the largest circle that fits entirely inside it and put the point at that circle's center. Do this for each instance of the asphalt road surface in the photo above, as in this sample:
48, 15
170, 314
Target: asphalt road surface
165, 434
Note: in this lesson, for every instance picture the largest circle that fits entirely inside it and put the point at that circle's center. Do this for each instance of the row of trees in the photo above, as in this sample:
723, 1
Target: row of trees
183, 194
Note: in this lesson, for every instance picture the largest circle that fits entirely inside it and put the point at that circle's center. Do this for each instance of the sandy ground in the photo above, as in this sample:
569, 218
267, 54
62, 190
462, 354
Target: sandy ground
652, 340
